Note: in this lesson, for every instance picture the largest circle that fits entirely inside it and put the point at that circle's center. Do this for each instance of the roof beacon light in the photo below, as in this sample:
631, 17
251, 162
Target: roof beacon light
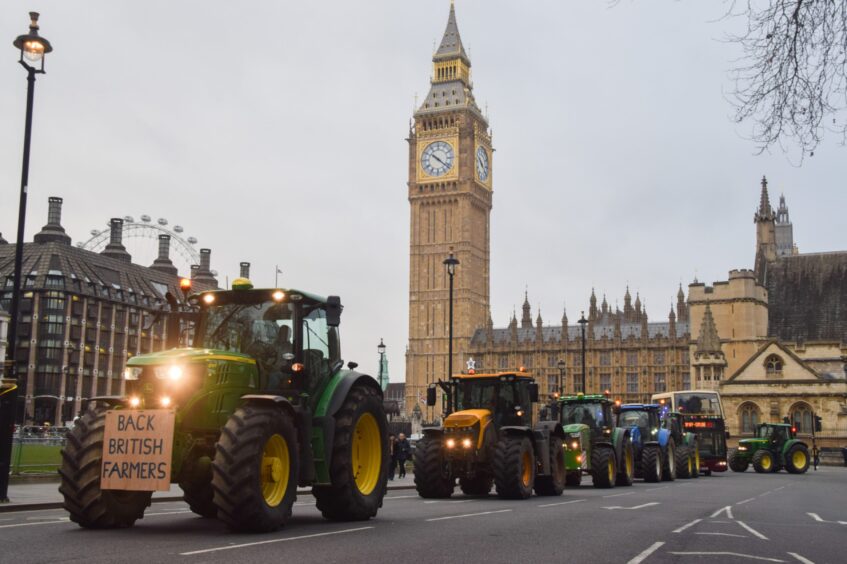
185, 284
242, 284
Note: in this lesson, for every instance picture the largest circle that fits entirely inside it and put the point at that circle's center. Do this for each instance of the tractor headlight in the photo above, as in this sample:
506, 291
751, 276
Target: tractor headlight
467, 443
575, 445
654, 432
451, 443
134, 401
742, 448
132, 372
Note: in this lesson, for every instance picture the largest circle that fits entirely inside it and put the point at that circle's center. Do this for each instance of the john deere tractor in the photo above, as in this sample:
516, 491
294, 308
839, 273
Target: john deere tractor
775, 446
488, 436
655, 448
687, 445
593, 445
260, 403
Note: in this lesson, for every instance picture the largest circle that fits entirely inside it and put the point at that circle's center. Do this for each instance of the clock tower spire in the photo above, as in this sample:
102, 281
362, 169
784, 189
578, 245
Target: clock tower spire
450, 195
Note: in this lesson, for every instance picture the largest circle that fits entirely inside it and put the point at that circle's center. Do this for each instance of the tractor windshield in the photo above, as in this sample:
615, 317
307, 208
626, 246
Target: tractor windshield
634, 419
254, 329
478, 394
590, 414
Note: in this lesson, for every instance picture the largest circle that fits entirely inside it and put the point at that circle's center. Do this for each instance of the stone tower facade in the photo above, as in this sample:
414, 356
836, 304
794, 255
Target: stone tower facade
450, 194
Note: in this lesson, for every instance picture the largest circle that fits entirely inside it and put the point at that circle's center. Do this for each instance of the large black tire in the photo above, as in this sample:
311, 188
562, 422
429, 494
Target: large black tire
797, 459
604, 467
737, 463
514, 467
684, 463
348, 499
256, 468
200, 496
573, 478
554, 484
479, 485
695, 454
764, 462
626, 465
432, 478
651, 463
82, 457
669, 461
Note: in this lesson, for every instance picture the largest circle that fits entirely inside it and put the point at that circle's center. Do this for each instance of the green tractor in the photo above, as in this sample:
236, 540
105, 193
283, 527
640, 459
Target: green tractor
489, 438
593, 445
260, 404
775, 446
687, 446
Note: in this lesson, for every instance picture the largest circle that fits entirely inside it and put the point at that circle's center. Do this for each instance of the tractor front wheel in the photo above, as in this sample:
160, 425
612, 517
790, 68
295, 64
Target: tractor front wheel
669, 461
82, 456
695, 456
432, 478
684, 466
554, 484
764, 461
256, 467
737, 463
797, 459
651, 463
514, 467
604, 467
359, 464
479, 485
626, 466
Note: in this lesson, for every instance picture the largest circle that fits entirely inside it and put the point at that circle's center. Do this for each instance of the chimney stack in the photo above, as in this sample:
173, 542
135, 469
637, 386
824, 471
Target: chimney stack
204, 275
115, 249
53, 232
245, 270
163, 263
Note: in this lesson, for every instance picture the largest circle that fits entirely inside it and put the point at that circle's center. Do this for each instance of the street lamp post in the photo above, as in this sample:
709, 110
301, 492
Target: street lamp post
582, 322
561, 364
381, 349
450, 262
32, 47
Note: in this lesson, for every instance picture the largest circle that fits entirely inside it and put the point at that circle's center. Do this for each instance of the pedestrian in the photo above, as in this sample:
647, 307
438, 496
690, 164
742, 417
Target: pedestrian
392, 455
404, 452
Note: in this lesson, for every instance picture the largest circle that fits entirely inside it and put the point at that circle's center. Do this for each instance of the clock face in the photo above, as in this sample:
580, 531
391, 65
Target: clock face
482, 164
437, 158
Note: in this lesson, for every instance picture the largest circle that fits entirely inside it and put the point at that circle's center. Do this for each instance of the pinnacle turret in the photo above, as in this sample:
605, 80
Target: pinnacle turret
765, 211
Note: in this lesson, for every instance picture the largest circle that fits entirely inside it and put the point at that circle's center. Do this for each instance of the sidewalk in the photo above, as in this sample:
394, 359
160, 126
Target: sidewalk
45, 495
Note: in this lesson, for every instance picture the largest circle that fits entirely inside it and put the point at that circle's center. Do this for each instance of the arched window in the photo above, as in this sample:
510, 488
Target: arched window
801, 417
773, 365
749, 416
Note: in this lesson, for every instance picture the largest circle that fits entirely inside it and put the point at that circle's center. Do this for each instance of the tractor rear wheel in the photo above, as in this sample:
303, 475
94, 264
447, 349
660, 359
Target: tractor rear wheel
764, 461
651, 463
626, 466
573, 478
684, 463
737, 463
604, 467
82, 456
797, 459
479, 485
359, 465
554, 484
256, 467
514, 467
669, 462
432, 478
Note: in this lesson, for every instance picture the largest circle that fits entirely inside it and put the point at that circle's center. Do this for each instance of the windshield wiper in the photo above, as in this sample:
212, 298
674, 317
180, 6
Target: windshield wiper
225, 321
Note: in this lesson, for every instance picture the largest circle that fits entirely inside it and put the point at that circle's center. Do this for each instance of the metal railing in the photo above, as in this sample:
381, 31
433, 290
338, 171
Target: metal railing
37, 450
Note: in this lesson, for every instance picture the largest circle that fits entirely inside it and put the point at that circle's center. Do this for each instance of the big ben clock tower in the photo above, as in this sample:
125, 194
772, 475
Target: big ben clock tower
450, 190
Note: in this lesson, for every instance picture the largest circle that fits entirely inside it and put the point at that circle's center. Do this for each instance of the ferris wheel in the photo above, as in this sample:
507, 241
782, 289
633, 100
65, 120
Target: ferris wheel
141, 240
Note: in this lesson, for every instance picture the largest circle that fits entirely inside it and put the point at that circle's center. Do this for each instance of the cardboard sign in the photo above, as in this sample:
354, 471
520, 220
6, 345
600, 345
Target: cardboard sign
137, 448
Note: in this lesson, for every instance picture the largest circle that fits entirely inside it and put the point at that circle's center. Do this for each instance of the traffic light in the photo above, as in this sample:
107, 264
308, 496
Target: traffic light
818, 425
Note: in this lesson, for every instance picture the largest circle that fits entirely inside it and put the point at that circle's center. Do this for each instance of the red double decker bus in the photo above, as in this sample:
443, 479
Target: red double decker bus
702, 412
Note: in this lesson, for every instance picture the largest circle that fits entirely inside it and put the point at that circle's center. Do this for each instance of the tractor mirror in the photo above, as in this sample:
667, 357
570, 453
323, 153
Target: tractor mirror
333, 311
533, 392
430, 397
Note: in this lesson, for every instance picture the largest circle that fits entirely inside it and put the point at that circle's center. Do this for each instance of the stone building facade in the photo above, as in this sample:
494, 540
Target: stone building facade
82, 314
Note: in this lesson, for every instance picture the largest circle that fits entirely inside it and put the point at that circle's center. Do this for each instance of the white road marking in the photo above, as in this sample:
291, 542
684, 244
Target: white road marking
561, 503
654, 489
766, 493
433, 501
469, 515
745, 501
619, 495
643, 505
752, 530
723, 535
401, 497
800, 558
462, 501
641, 557
691, 524
738, 554
257, 543
776, 490
817, 517
65, 520
167, 513
727, 509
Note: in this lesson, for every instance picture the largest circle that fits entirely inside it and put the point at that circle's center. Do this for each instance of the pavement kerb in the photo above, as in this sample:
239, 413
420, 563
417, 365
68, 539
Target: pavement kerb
12, 507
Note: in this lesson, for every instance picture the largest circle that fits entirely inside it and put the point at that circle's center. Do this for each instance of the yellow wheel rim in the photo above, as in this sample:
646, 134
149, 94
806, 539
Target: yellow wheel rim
611, 469
526, 469
367, 453
276, 470
697, 460
629, 463
690, 466
799, 459
767, 462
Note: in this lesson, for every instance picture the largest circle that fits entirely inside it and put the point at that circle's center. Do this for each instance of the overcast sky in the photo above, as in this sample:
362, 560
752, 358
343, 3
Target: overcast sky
274, 132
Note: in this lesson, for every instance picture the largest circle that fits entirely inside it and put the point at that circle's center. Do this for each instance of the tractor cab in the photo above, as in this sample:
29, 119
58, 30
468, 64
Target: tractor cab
643, 416
593, 410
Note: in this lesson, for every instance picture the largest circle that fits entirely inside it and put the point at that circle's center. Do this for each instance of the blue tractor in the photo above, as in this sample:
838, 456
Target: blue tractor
654, 447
